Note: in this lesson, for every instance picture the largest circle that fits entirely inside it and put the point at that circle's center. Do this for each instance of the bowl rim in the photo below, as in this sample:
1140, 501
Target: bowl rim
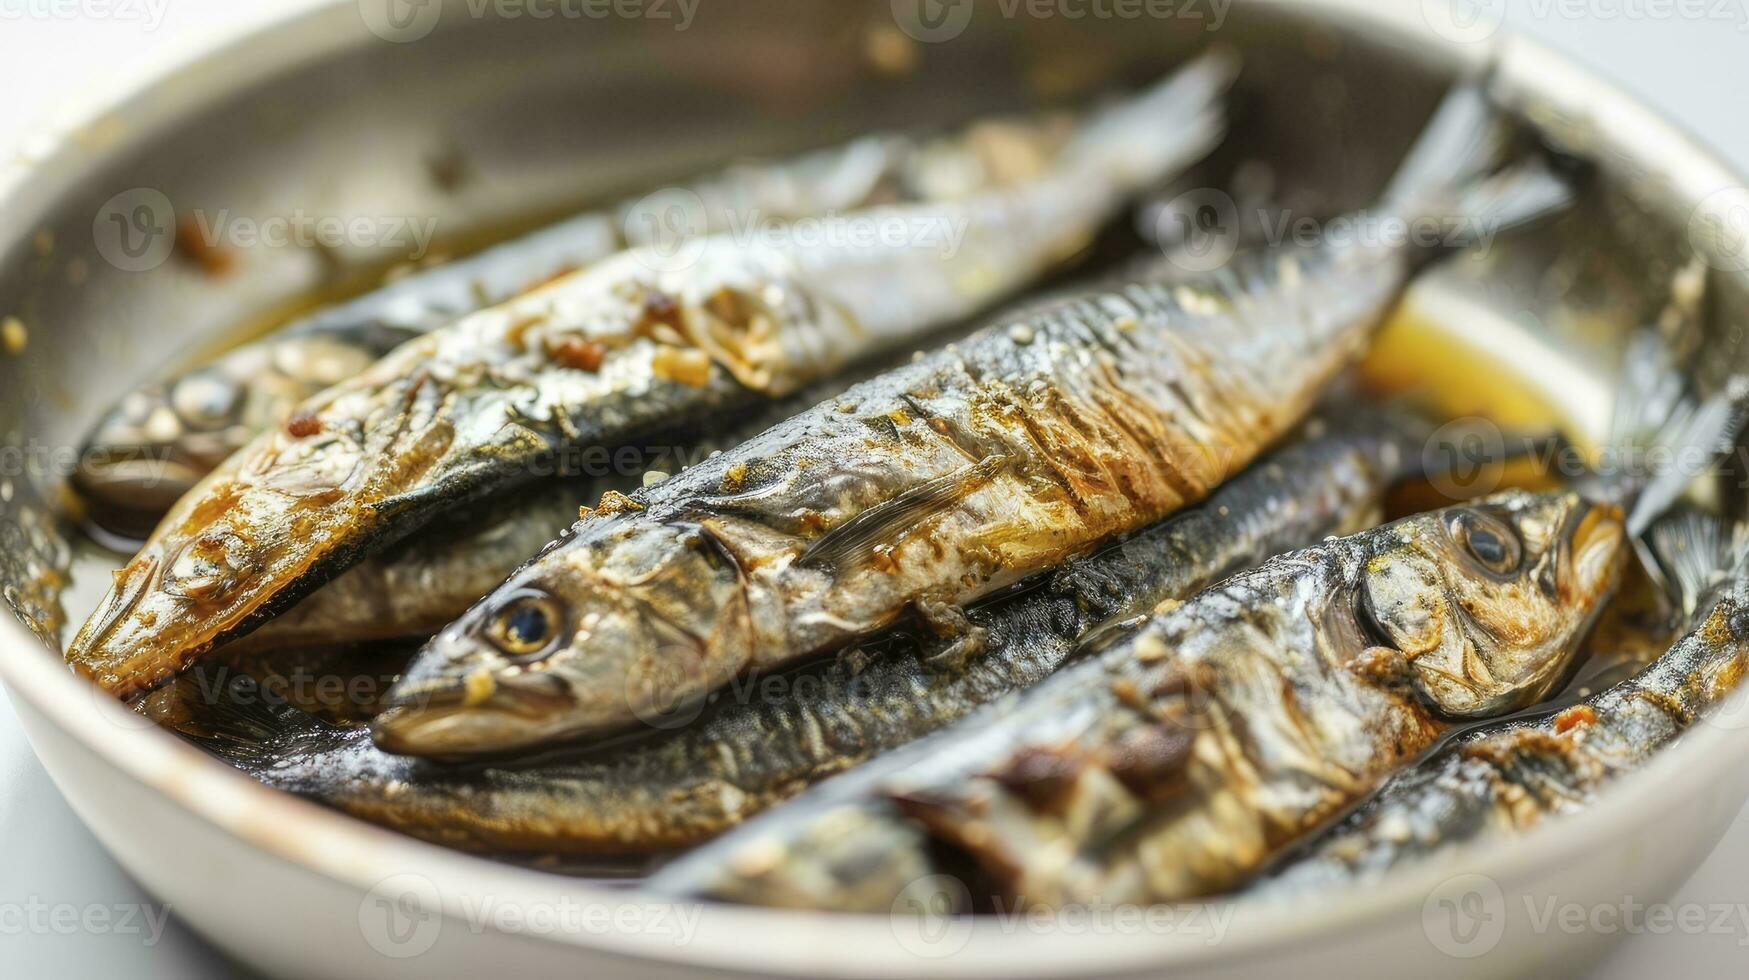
362, 856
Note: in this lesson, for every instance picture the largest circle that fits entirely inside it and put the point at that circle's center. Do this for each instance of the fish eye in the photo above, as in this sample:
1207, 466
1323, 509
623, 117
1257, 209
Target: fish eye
526, 624
1489, 540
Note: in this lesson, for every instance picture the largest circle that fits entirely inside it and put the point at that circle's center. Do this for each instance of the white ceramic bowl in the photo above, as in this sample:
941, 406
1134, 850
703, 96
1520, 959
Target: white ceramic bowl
336, 113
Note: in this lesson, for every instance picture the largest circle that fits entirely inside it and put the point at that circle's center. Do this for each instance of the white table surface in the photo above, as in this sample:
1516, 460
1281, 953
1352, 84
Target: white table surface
1695, 70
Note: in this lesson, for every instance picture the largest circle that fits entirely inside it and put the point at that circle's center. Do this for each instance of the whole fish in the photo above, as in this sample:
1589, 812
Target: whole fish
944, 481
1511, 776
644, 339
1184, 758
160, 439
1172, 766
756, 746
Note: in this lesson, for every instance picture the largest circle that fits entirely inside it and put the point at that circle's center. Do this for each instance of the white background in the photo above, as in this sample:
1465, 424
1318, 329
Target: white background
1695, 69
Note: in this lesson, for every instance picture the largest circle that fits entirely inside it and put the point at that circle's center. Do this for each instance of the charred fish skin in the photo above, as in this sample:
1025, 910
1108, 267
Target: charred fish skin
1507, 778
755, 747
787, 545
1173, 765
634, 343
1028, 444
159, 440
415, 587
1186, 758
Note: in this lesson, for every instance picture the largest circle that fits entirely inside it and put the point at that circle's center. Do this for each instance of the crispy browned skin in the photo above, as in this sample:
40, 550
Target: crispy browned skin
766, 741
1508, 777
162, 438
1175, 764
926, 488
1054, 429
648, 338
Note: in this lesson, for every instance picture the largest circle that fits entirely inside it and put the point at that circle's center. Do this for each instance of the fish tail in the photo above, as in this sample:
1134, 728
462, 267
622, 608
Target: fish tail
249, 733
1661, 437
1453, 175
1696, 552
1143, 140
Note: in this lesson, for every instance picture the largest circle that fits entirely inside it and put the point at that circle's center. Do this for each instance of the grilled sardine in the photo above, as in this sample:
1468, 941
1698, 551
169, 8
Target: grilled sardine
927, 488
758, 744
649, 338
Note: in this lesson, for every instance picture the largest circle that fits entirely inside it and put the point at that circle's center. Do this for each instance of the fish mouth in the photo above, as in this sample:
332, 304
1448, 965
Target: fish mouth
474, 716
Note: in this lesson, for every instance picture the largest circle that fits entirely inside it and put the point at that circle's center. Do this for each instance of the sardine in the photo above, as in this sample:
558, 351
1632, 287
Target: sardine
925, 489
1172, 766
647, 338
160, 439
758, 745
1508, 777
1179, 762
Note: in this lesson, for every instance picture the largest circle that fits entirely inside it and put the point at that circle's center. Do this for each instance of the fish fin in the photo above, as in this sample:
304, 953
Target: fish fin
1696, 552
1712, 428
1656, 420
855, 539
199, 706
1453, 174
1164, 130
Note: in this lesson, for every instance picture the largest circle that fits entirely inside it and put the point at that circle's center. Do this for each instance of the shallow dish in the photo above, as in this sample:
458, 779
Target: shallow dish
481, 117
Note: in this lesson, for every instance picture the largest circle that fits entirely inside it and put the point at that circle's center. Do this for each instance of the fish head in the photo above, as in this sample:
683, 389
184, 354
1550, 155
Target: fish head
1487, 602
623, 624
